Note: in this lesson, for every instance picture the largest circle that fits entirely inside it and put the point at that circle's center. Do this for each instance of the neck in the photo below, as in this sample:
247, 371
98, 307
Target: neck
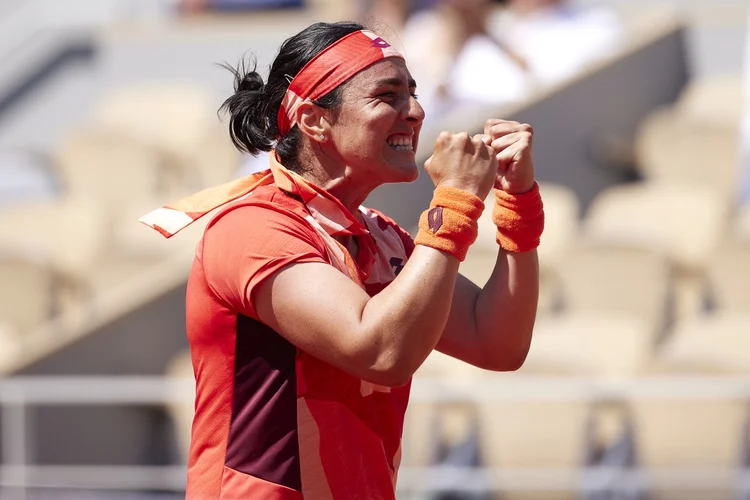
341, 186
338, 180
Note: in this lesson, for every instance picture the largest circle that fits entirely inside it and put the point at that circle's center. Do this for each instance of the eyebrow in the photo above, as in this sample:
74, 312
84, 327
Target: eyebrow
395, 81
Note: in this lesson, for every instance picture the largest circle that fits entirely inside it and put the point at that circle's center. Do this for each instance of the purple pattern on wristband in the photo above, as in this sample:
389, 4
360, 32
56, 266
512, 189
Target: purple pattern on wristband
435, 219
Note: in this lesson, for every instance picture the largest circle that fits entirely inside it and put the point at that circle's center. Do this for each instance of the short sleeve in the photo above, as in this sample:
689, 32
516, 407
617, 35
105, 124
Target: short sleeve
248, 244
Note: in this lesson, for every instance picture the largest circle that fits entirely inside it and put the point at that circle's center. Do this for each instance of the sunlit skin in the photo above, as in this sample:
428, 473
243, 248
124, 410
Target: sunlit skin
378, 109
370, 140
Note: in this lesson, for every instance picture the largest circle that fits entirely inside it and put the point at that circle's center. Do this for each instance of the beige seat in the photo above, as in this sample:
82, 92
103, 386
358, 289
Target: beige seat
729, 277
10, 345
690, 446
664, 218
68, 234
106, 167
27, 292
661, 217
430, 422
671, 148
699, 430
534, 439
617, 279
604, 345
179, 120
180, 369
562, 212
702, 438
742, 223
537, 441
715, 100
717, 343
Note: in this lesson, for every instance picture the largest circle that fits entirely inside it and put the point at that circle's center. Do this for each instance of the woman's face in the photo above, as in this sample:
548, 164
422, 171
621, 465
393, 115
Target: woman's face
376, 129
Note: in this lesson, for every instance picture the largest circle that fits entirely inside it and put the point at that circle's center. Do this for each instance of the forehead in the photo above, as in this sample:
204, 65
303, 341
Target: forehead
391, 69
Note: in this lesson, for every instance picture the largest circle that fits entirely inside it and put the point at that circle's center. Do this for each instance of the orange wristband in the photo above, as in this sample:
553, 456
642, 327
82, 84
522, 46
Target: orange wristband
450, 224
519, 219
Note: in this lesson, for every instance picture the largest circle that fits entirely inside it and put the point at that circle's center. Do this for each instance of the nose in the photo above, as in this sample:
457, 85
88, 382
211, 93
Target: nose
413, 111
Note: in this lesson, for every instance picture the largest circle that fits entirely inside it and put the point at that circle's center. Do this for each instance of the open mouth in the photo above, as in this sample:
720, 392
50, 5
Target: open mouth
401, 143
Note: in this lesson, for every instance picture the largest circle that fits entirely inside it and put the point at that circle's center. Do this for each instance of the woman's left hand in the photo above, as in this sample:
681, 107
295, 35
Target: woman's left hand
512, 144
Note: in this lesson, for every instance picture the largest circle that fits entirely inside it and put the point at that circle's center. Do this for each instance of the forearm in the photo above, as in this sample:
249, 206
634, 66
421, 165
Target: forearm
505, 310
404, 322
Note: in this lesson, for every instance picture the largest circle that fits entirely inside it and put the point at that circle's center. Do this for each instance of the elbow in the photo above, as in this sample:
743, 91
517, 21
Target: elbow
392, 378
515, 363
392, 371
507, 358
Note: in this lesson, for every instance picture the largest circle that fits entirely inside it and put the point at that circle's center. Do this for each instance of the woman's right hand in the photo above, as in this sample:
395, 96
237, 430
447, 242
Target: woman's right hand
464, 162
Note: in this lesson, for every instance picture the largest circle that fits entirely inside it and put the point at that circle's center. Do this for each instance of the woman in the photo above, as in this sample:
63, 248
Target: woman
307, 314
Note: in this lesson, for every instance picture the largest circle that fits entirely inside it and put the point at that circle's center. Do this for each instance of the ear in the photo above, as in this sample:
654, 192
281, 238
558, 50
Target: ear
312, 122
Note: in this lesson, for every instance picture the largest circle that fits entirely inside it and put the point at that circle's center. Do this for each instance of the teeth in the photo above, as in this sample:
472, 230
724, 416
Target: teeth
401, 143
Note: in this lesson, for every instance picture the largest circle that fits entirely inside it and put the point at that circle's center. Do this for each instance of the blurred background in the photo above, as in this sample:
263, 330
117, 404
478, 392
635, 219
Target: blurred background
637, 384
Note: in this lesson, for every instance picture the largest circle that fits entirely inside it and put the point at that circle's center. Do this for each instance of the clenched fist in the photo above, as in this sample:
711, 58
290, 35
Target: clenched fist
512, 144
463, 162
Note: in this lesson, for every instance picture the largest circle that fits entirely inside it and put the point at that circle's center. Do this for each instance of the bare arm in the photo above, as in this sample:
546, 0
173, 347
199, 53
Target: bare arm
382, 339
491, 327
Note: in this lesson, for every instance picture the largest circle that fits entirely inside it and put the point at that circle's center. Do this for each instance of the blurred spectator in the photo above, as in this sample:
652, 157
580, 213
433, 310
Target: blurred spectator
454, 59
555, 38
193, 6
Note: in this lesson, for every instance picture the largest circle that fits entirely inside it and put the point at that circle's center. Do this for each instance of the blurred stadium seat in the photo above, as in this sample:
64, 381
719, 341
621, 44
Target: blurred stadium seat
665, 217
523, 436
562, 213
605, 345
104, 166
661, 217
617, 279
432, 425
70, 233
10, 341
178, 120
716, 343
27, 293
683, 432
676, 149
729, 277
741, 228
716, 99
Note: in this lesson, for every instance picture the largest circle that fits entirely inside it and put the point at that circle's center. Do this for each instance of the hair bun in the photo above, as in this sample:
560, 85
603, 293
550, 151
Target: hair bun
250, 82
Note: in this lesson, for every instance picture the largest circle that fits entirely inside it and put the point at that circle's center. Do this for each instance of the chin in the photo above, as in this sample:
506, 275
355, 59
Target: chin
404, 173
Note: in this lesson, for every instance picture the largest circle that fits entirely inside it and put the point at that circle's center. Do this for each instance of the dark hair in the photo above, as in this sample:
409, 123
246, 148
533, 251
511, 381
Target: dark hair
254, 107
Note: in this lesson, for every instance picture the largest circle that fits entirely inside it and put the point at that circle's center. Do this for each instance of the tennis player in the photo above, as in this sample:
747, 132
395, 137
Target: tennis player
307, 313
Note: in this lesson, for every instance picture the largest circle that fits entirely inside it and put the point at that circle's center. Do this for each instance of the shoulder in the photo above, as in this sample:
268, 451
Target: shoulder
265, 219
256, 209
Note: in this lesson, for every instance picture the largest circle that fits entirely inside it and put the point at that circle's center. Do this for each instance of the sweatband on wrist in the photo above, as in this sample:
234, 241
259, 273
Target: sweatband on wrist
519, 219
450, 224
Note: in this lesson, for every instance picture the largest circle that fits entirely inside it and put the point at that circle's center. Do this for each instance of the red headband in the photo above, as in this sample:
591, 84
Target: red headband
329, 69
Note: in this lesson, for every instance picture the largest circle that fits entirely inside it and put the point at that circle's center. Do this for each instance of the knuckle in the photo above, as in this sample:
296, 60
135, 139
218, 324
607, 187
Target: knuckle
525, 127
443, 139
463, 137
